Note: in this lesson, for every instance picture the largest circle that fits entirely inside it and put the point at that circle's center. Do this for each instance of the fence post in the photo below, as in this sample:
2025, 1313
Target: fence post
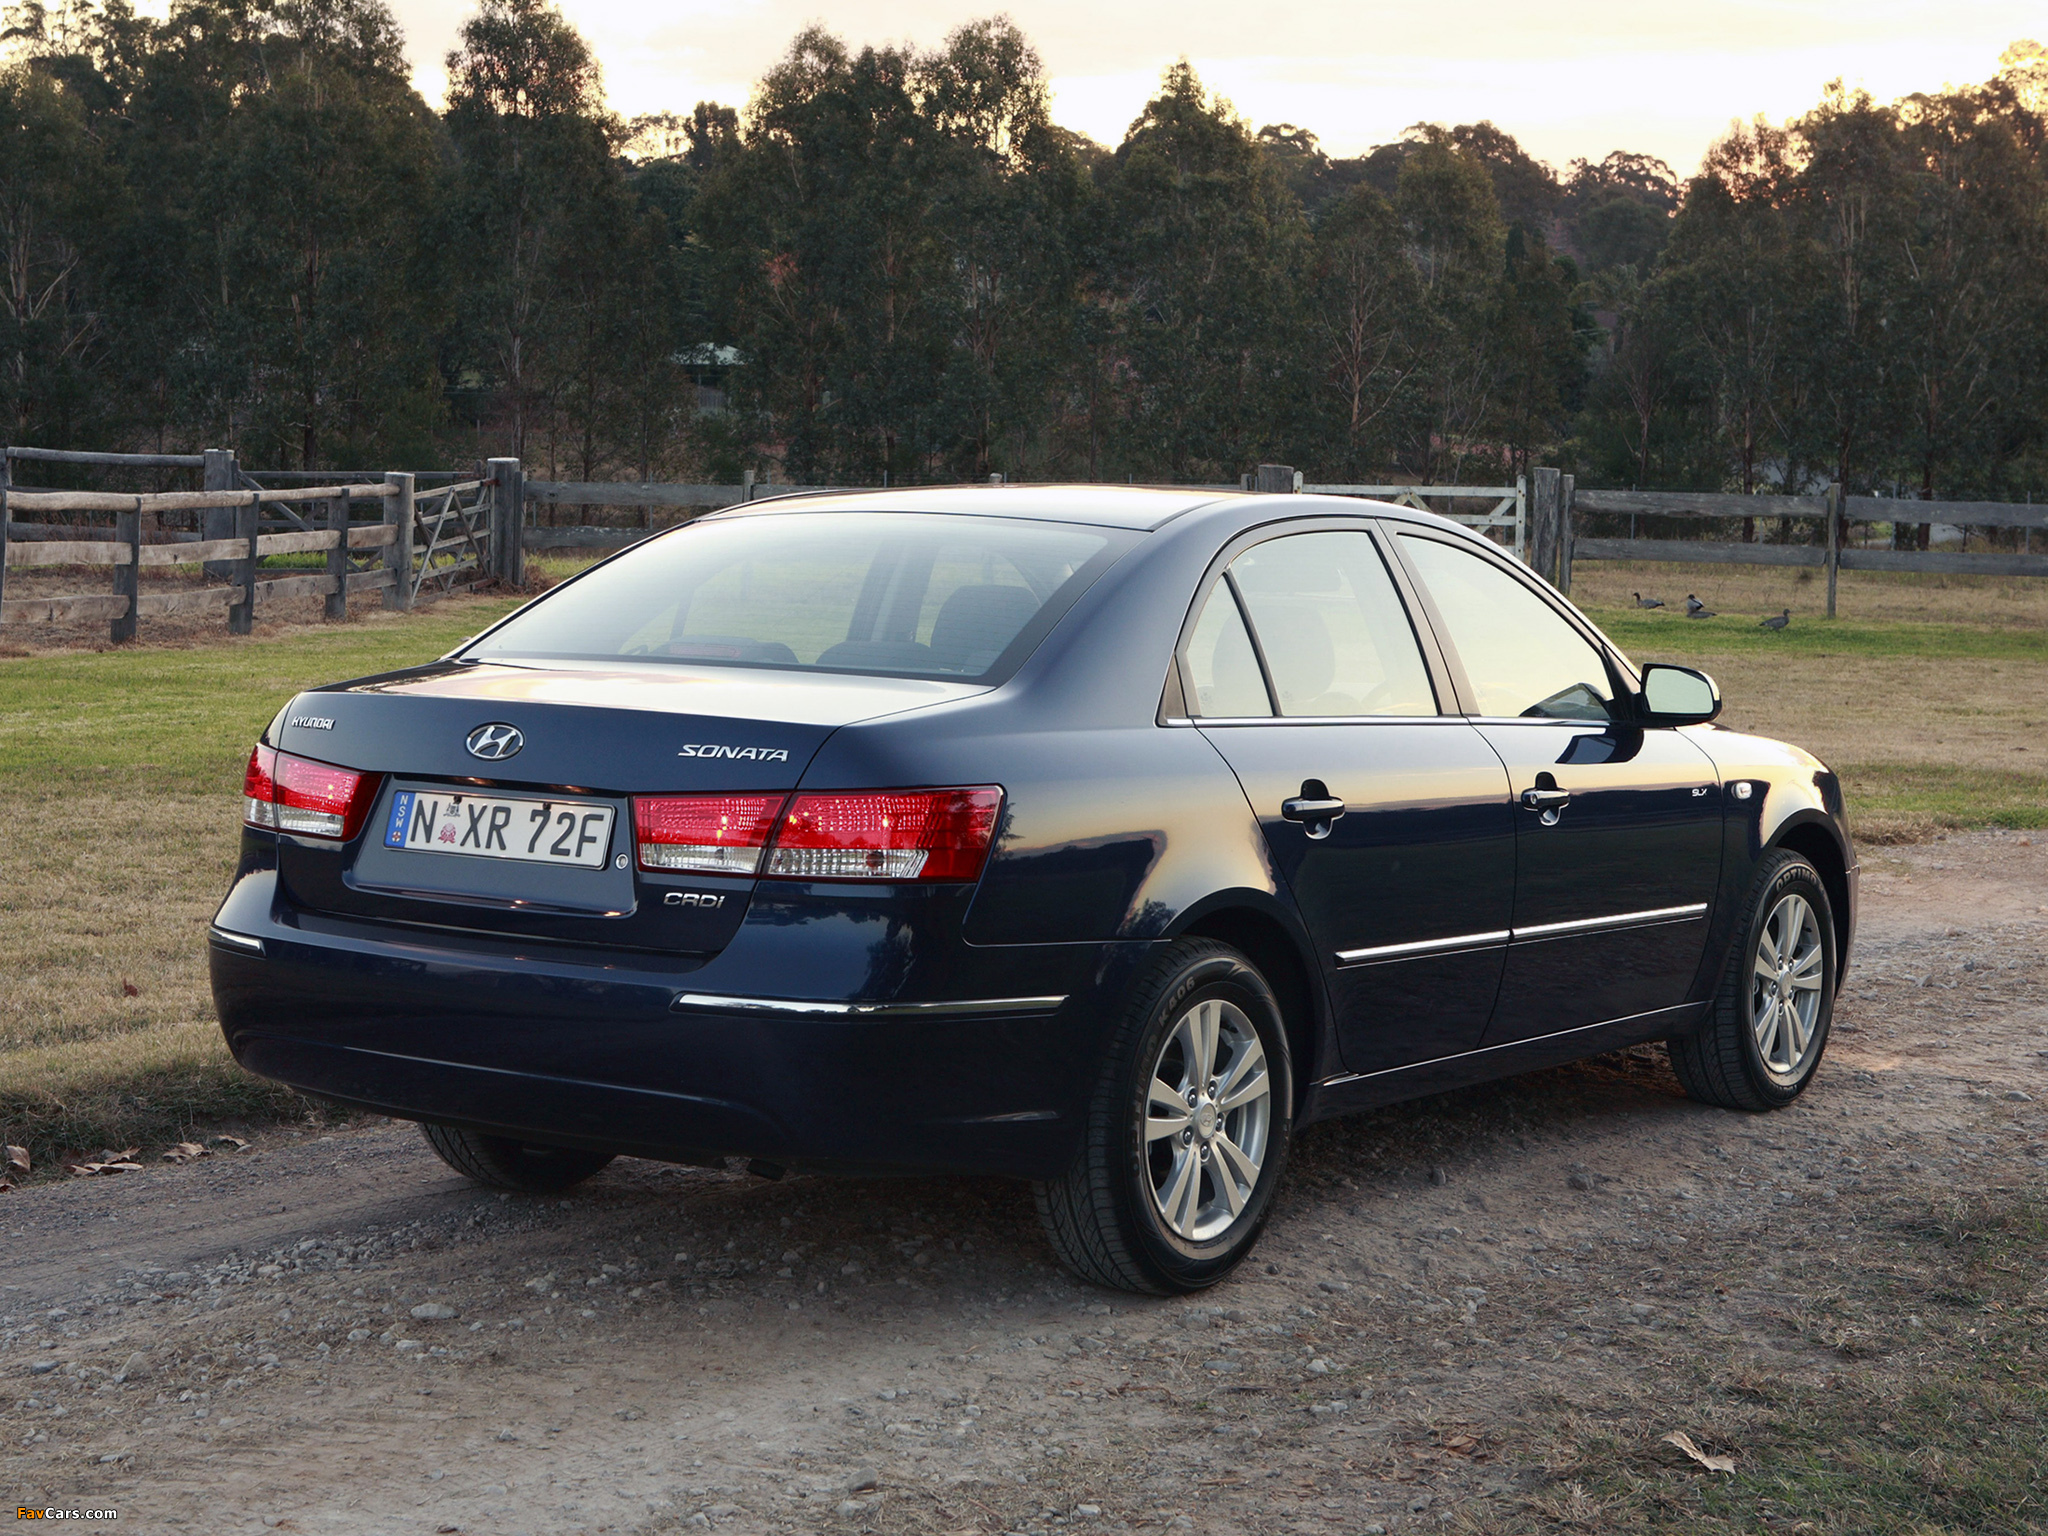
1543, 489
218, 522
1275, 480
128, 531
6, 480
242, 615
337, 558
746, 485
398, 510
1566, 485
1834, 537
507, 524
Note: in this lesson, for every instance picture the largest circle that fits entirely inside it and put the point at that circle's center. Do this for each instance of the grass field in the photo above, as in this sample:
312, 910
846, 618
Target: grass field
120, 771
1929, 695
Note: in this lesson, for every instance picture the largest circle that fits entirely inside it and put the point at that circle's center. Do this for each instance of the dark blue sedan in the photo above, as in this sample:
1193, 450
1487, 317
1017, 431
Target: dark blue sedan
1094, 836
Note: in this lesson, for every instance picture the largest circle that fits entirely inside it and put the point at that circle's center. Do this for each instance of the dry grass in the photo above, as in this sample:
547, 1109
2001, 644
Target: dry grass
1881, 597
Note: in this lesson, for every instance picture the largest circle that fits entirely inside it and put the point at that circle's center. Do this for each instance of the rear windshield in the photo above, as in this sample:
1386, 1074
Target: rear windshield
878, 592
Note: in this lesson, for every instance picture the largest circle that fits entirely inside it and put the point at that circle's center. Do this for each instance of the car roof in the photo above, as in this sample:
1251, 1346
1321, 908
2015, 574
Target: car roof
1113, 506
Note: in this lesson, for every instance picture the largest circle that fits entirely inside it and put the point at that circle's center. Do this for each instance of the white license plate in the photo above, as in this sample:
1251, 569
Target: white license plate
573, 832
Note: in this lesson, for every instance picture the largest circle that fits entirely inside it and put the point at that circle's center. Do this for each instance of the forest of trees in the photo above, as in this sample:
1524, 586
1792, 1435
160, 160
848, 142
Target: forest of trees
242, 227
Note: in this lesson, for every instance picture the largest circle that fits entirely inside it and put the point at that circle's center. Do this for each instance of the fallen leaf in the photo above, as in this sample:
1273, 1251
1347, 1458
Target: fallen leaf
125, 1155
129, 989
17, 1159
5, 1185
1683, 1441
114, 1163
185, 1152
232, 1143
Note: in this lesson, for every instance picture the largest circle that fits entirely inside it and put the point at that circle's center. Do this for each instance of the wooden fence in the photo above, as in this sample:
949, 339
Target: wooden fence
420, 545
1833, 515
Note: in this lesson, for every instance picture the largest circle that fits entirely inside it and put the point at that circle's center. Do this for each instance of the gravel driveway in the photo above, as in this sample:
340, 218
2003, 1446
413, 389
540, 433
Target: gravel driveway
331, 1333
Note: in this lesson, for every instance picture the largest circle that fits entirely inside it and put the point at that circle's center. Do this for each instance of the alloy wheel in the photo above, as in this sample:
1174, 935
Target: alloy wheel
1208, 1120
1788, 973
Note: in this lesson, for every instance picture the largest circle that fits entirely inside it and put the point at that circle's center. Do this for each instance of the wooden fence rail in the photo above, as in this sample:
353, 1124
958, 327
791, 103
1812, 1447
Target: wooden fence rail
1836, 514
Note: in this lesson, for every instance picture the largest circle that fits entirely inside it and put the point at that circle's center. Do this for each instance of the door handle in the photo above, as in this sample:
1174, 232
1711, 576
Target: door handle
1546, 799
1315, 807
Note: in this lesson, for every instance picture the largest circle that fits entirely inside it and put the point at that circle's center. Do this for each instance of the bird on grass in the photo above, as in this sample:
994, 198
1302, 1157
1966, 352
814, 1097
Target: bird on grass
1779, 622
1648, 602
1695, 609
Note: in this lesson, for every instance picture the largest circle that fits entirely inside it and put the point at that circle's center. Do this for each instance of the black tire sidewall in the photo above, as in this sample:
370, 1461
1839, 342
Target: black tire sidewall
1225, 975
1794, 876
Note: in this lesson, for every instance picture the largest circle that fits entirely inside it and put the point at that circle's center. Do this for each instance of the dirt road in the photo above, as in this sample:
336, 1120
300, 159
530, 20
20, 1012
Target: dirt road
1470, 1313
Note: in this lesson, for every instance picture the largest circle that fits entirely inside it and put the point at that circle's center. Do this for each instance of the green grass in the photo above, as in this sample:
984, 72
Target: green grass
121, 770
185, 719
1910, 798
1674, 635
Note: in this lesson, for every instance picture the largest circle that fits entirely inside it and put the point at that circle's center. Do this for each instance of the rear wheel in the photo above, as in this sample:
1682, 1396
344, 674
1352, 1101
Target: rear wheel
504, 1162
1187, 1133
1763, 1041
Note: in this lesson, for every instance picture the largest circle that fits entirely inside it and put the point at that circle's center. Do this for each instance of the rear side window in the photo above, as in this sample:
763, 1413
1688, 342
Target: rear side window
897, 593
1335, 636
1222, 663
1521, 657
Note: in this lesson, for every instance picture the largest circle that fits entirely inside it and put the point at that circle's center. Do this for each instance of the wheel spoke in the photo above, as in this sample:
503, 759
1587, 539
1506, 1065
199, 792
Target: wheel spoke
1208, 1025
1166, 1113
1235, 1165
1177, 1202
1807, 970
1767, 1030
1247, 1078
1797, 1033
1767, 950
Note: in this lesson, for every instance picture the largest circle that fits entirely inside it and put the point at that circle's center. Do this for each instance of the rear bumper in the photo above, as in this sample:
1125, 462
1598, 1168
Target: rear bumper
980, 1060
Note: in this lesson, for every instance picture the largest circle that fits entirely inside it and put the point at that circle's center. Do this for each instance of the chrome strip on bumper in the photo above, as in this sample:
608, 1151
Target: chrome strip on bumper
689, 1002
1571, 929
236, 941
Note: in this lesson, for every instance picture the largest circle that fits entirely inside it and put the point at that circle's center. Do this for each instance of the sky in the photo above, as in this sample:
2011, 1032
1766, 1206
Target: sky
1569, 78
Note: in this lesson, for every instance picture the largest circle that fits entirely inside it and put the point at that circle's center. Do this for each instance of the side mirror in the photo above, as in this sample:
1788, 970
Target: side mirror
1678, 695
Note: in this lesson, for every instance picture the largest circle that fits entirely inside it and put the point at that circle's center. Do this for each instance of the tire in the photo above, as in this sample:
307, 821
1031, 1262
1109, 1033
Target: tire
505, 1163
1145, 1154
1764, 1038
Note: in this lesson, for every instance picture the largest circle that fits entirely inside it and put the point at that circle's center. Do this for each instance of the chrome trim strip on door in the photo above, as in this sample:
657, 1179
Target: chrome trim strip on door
1619, 920
1422, 947
1581, 925
1345, 1079
795, 1007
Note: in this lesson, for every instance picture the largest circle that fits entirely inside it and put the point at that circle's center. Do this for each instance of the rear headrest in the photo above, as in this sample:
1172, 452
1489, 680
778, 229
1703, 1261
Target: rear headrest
977, 623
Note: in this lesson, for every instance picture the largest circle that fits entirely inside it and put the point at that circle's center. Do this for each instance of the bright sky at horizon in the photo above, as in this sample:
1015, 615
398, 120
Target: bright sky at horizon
1573, 78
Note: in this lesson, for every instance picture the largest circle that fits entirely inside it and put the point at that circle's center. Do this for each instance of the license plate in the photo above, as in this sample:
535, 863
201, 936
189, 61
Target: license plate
572, 832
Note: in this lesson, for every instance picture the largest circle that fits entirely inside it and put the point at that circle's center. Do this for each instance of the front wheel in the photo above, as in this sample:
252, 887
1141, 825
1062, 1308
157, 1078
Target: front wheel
1187, 1134
1763, 1040
504, 1163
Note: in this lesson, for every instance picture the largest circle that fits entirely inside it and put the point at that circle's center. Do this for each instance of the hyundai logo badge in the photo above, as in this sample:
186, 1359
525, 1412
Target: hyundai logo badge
495, 742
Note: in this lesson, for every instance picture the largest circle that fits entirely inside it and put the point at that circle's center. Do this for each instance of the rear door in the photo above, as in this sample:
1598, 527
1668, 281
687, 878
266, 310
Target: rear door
1386, 815
1618, 828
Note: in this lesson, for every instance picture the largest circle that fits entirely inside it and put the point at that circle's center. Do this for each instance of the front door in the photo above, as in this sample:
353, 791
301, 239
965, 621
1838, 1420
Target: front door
1617, 827
1388, 820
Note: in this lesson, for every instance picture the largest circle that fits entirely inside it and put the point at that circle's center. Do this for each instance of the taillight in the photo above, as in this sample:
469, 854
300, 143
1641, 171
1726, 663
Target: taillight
708, 834
902, 834
296, 794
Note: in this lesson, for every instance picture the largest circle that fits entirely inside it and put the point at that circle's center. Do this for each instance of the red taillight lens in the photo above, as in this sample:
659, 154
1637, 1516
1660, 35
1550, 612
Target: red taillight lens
902, 834
709, 834
296, 794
